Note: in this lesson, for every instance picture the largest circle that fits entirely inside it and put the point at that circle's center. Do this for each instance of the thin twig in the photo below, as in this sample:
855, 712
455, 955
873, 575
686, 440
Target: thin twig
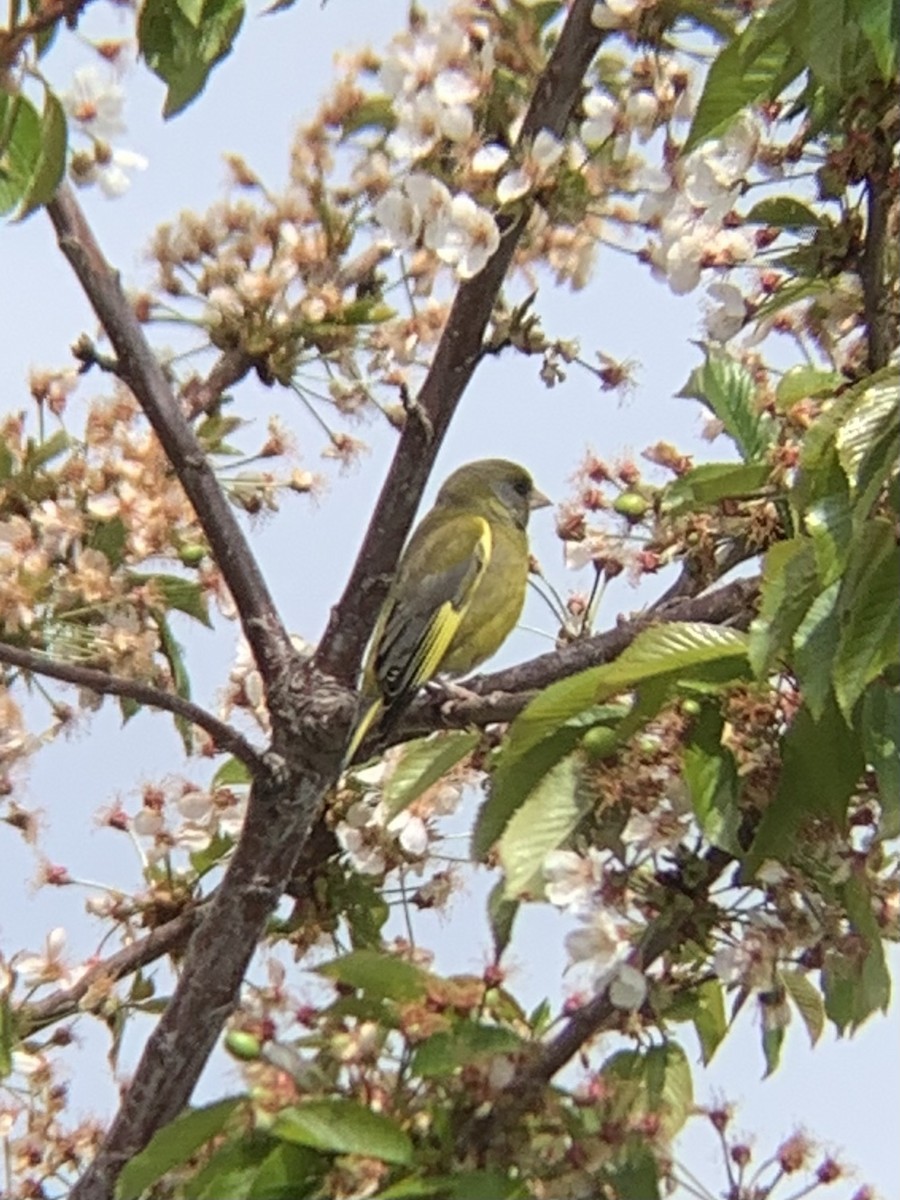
95, 680
66, 1002
204, 395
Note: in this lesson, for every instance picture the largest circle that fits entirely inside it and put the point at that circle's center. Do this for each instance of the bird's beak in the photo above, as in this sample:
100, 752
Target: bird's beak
538, 500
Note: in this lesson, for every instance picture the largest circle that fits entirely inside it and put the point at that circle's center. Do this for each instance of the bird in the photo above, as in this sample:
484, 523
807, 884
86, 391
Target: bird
458, 591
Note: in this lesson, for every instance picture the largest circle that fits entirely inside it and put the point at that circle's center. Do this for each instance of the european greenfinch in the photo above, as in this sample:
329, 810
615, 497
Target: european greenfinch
458, 591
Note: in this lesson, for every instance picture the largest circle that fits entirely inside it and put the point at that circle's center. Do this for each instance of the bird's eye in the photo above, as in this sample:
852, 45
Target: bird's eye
522, 486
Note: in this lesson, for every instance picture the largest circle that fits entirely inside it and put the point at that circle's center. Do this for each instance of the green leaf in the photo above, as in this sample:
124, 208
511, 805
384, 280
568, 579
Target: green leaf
772, 1041
658, 1080
374, 112
110, 538
185, 595
38, 454
879, 21
232, 773
881, 742
825, 42
461, 1185
502, 915
711, 777
635, 1174
364, 908
8, 1037
422, 764
51, 160
787, 213
829, 519
758, 64
377, 974
182, 42
545, 822
444, 1053
821, 765
212, 854
20, 148
712, 482
868, 613
814, 642
339, 1126
857, 985
801, 382
45, 39
258, 1168
173, 1145
286, 1172
868, 442
555, 721
807, 999
709, 1018
727, 389
790, 584
173, 655
514, 779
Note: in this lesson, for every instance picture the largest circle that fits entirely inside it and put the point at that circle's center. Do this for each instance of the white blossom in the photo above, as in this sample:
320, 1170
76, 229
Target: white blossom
727, 316
628, 989
109, 171
642, 113
614, 13
489, 159
95, 103
601, 115
410, 831
601, 942
542, 156
471, 238
570, 880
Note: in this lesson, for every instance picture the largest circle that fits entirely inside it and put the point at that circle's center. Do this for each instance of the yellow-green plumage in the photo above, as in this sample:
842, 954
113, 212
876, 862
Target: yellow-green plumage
458, 592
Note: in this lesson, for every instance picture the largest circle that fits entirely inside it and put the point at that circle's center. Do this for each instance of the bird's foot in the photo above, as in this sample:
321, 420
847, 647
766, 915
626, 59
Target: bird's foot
449, 694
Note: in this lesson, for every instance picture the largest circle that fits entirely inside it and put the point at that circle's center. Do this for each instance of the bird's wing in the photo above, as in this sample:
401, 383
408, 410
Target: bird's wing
440, 571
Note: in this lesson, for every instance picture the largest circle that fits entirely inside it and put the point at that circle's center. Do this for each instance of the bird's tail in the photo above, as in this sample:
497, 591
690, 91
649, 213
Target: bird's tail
365, 723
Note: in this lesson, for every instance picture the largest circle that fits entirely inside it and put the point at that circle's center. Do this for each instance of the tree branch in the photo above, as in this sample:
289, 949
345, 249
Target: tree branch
598, 1014
47, 15
66, 1002
202, 395
881, 322
225, 738
458, 354
502, 695
141, 370
278, 822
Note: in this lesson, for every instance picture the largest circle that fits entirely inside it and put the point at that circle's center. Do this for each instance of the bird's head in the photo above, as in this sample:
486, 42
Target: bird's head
504, 489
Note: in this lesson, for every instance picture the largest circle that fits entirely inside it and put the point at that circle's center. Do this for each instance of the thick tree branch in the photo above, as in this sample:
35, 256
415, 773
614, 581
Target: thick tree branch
458, 354
881, 322
66, 1002
279, 818
502, 695
104, 684
140, 368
